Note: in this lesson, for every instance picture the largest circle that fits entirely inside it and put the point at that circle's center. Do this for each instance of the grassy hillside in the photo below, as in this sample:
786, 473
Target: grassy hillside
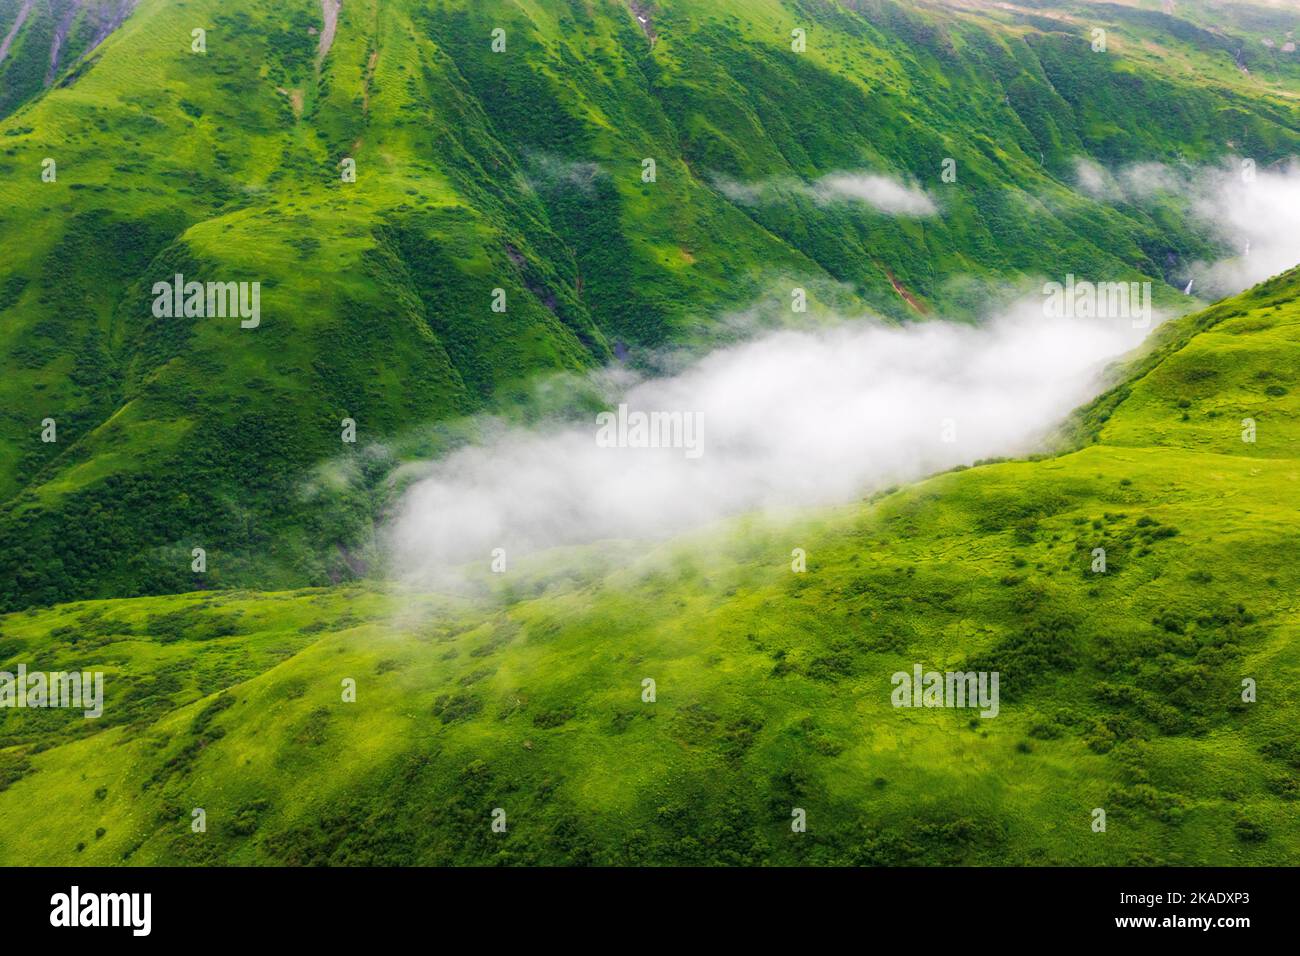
518, 170
1120, 690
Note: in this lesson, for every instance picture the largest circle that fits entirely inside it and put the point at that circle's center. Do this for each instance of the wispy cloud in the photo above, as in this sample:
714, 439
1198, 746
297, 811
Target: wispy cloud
885, 194
547, 170
1095, 181
1259, 219
1254, 213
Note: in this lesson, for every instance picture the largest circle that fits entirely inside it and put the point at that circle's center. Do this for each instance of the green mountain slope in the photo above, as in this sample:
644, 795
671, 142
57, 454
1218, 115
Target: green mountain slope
518, 170
47, 43
1120, 691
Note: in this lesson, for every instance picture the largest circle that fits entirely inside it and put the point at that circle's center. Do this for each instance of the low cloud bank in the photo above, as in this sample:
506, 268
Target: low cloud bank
793, 418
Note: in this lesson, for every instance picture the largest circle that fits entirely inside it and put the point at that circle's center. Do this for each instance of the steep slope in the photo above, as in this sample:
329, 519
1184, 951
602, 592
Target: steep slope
48, 42
519, 170
1121, 690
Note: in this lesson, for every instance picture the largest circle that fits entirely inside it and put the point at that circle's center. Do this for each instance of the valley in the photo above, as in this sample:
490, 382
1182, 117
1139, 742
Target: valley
589, 409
